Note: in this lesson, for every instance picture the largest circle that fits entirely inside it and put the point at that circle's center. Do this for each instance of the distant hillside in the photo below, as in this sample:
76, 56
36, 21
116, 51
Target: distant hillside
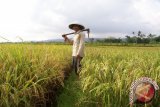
62, 40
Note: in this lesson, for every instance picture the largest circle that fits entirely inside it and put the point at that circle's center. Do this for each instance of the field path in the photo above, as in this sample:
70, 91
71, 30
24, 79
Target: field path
71, 92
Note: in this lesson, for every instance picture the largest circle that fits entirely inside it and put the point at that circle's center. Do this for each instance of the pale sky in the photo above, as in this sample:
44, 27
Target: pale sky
48, 19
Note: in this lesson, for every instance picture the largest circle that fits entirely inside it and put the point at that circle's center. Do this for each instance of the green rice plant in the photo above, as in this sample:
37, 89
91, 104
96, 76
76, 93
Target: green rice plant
27, 69
108, 72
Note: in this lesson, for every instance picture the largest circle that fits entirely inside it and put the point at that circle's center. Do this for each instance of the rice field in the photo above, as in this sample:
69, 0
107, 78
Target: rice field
29, 71
107, 75
109, 71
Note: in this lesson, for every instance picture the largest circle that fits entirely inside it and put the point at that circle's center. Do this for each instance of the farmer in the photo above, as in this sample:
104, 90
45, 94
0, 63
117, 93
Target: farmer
78, 43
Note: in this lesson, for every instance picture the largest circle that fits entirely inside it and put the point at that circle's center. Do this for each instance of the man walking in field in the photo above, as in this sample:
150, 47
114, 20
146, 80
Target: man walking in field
78, 43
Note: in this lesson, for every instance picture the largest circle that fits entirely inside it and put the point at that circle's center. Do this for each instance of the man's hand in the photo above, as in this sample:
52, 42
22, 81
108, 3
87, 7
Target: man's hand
65, 37
78, 56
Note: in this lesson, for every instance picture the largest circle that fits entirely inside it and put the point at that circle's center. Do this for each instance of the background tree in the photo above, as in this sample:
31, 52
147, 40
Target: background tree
151, 38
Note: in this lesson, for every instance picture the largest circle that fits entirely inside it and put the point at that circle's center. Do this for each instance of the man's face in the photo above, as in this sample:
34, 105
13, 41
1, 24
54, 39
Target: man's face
76, 28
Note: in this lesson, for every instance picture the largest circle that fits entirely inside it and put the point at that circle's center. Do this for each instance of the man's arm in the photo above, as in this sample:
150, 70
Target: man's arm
66, 39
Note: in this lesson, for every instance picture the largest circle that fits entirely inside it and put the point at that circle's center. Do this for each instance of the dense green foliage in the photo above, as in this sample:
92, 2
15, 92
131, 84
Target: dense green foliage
136, 38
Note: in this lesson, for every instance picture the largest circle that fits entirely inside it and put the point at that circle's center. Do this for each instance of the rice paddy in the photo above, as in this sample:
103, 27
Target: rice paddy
30, 72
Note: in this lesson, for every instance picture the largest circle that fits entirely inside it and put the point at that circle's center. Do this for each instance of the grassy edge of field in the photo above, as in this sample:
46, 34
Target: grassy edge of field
71, 92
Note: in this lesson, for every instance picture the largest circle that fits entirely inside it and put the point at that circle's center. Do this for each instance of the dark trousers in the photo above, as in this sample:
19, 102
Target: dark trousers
76, 63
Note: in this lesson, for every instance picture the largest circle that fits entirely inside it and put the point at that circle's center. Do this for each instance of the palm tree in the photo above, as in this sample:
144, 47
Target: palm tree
151, 36
135, 37
139, 33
